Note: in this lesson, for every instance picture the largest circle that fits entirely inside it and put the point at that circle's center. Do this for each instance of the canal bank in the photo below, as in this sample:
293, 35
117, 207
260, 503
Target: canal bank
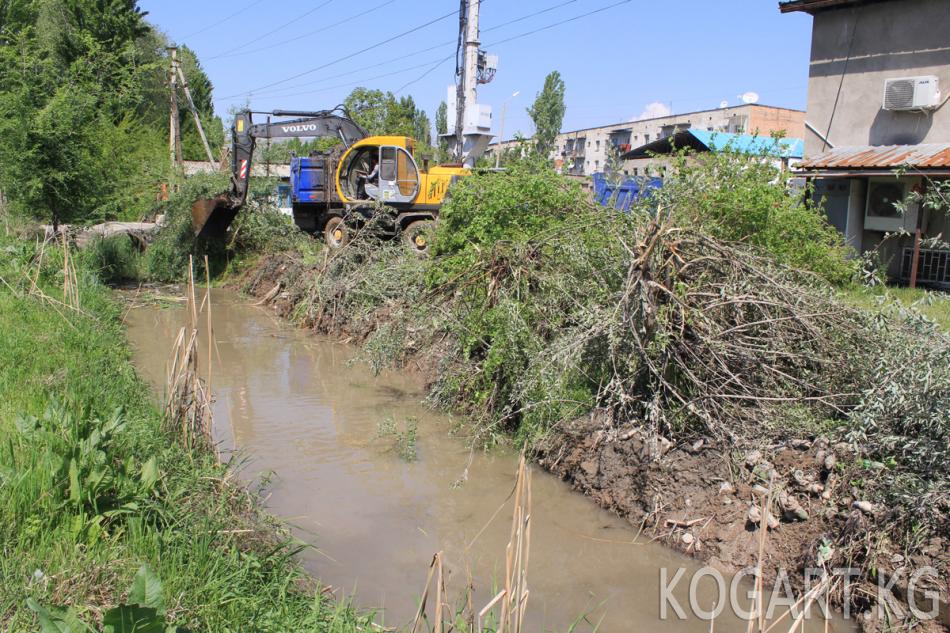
697, 496
300, 413
98, 500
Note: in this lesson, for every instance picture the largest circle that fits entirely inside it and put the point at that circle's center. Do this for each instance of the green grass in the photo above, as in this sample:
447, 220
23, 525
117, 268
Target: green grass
933, 305
84, 509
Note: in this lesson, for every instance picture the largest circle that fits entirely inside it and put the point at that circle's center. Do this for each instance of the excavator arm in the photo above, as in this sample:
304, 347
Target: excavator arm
211, 217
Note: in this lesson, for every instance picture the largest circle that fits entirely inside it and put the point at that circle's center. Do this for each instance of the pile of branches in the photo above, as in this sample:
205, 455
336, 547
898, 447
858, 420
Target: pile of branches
659, 327
704, 337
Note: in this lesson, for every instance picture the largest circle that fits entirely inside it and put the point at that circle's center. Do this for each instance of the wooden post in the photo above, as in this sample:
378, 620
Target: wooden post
915, 259
194, 113
174, 133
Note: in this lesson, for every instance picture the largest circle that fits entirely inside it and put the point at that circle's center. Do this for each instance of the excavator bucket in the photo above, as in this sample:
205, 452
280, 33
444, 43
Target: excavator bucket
211, 217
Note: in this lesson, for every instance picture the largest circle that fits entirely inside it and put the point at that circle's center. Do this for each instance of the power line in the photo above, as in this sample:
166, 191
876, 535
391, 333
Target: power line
353, 83
223, 20
396, 59
551, 26
275, 92
521, 35
304, 35
349, 56
272, 31
423, 75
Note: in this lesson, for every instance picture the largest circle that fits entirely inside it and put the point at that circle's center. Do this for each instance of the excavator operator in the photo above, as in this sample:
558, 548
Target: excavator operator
369, 182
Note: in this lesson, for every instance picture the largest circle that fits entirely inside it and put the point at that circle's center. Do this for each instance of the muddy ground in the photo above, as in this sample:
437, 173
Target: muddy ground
703, 499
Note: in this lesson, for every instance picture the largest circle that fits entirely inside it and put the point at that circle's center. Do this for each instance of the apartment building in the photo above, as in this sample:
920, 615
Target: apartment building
586, 151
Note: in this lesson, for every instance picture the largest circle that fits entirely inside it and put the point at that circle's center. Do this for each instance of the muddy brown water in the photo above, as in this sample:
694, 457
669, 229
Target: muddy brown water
312, 423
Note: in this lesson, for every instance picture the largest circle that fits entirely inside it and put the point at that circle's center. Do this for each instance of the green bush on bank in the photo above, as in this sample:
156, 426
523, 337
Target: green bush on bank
93, 490
747, 199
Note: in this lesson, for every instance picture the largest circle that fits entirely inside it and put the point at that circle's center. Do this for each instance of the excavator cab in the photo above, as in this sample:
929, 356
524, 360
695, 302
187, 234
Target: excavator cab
397, 181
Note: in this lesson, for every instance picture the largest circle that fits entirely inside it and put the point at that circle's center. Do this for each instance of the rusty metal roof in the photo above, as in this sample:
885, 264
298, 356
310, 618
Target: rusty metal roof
889, 157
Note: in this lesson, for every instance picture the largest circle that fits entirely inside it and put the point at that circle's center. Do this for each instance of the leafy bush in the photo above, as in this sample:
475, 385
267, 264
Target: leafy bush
259, 226
517, 206
742, 198
113, 259
167, 258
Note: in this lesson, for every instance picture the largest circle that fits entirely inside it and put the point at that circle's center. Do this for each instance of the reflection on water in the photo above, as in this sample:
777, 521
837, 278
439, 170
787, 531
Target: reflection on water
297, 409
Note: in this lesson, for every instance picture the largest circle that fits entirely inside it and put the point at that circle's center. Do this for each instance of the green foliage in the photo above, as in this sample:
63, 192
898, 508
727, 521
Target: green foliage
258, 227
547, 112
441, 128
520, 205
380, 113
91, 496
78, 458
83, 110
167, 257
746, 199
404, 439
114, 259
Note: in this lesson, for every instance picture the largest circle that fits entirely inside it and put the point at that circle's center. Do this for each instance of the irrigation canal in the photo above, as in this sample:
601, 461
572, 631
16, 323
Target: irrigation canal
318, 429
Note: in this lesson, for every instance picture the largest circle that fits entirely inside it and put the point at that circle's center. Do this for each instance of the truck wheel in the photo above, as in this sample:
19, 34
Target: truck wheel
418, 236
336, 233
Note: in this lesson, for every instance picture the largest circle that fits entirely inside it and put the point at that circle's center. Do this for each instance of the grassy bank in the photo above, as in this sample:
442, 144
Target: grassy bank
932, 305
93, 490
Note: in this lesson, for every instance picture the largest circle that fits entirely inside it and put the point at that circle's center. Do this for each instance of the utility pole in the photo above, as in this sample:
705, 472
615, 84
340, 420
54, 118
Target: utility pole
468, 82
470, 121
174, 132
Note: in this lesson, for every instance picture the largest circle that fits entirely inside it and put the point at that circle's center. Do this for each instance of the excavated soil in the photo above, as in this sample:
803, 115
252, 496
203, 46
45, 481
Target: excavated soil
696, 498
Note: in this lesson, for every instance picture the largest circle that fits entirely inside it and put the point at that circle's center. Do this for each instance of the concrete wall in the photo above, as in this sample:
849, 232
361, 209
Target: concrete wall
857, 48
588, 148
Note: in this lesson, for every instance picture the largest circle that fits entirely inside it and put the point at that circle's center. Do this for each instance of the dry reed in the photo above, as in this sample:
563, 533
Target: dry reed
513, 598
187, 410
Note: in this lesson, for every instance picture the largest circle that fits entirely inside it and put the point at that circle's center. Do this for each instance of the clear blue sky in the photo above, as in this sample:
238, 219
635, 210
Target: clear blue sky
685, 54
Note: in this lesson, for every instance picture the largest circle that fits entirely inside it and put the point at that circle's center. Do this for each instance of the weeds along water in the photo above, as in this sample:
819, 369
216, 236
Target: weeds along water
94, 492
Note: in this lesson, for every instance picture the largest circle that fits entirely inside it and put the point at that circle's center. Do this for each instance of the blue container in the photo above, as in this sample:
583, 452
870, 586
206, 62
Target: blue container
309, 179
622, 196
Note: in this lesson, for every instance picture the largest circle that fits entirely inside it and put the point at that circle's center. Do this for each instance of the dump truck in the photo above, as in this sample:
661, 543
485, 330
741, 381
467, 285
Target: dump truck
335, 193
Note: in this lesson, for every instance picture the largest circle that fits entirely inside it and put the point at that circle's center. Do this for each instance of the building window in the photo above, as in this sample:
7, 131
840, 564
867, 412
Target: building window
636, 171
626, 172
597, 144
646, 138
596, 164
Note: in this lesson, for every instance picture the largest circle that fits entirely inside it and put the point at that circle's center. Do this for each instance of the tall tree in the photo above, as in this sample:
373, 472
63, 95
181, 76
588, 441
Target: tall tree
84, 108
547, 112
442, 127
381, 113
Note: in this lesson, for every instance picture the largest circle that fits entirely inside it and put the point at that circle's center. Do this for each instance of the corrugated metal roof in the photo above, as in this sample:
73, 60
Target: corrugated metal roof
706, 141
924, 156
749, 144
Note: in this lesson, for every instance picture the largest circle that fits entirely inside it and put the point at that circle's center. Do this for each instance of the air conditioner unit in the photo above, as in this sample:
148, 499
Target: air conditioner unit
880, 214
911, 93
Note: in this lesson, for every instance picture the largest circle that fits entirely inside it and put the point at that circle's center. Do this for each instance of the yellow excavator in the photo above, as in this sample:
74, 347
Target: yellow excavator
337, 192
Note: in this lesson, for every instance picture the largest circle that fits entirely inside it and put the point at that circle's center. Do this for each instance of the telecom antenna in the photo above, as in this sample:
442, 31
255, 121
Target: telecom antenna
469, 122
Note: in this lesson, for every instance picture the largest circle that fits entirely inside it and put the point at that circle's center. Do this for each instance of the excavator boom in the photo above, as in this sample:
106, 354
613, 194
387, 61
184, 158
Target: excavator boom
211, 217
